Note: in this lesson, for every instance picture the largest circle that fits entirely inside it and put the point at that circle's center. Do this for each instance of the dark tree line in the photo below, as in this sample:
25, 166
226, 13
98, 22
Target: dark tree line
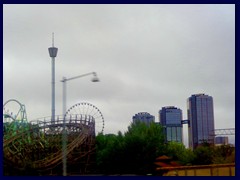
131, 152
136, 150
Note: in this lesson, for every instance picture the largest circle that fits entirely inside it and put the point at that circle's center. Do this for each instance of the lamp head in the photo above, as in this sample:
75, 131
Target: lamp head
95, 78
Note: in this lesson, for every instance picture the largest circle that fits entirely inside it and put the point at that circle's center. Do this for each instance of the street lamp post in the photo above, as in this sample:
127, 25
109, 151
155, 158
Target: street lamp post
64, 81
64, 139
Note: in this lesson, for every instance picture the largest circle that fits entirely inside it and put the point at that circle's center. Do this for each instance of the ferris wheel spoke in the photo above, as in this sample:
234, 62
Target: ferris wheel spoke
87, 109
97, 117
86, 112
84, 109
80, 108
95, 113
75, 110
91, 111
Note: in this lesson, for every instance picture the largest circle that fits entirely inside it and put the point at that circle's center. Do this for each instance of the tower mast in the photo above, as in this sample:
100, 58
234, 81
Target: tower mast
53, 53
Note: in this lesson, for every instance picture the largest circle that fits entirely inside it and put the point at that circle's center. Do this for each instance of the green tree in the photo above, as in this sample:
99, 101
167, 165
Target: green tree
179, 153
143, 144
132, 152
108, 152
203, 155
224, 154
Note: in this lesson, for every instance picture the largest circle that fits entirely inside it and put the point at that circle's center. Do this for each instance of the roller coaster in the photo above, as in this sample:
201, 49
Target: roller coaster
36, 147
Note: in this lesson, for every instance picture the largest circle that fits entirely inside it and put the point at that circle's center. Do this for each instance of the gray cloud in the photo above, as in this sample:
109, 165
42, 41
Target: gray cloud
147, 57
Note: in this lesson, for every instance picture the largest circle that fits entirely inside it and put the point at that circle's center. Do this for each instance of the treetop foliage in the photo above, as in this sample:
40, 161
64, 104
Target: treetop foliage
136, 150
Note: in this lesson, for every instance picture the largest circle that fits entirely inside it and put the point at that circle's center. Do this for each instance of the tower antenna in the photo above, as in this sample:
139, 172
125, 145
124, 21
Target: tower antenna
53, 39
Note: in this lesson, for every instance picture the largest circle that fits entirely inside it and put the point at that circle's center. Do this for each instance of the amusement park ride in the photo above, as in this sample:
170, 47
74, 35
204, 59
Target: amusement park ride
56, 145
37, 145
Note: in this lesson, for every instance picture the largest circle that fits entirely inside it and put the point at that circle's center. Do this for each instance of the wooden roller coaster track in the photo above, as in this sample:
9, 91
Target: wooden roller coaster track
38, 145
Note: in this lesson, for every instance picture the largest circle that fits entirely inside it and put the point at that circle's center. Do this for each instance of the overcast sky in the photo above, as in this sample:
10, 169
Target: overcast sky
146, 56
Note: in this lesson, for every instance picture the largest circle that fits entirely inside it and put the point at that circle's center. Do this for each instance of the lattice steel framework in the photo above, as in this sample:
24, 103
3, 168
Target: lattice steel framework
36, 146
227, 131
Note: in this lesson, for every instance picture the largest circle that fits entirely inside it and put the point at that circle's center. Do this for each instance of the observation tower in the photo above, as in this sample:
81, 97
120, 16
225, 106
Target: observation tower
53, 53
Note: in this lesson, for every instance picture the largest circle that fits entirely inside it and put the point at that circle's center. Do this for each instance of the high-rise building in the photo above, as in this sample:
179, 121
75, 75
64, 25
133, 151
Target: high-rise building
221, 140
143, 117
170, 118
201, 119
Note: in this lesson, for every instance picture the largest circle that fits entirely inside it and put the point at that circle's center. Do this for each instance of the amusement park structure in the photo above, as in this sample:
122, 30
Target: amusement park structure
36, 147
53, 145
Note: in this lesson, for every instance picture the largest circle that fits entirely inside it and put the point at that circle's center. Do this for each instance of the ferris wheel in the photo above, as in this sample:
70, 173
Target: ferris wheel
85, 109
14, 110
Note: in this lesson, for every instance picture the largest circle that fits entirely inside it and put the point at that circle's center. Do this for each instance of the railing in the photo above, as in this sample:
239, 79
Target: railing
43, 135
201, 170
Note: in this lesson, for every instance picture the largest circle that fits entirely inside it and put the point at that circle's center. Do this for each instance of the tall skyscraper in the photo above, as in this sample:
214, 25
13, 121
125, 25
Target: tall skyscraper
201, 119
143, 117
170, 118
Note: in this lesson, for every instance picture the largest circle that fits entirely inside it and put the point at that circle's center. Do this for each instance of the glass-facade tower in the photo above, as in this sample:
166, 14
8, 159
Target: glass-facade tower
170, 118
143, 117
201, 120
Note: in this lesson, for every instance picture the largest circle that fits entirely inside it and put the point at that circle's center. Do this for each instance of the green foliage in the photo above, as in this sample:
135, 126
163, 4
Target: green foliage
144, 143
108, 152
179, 153
224, 154
203, 155
207, 154
133, 152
